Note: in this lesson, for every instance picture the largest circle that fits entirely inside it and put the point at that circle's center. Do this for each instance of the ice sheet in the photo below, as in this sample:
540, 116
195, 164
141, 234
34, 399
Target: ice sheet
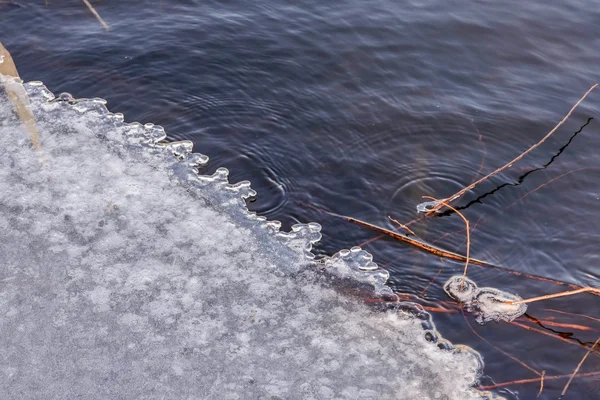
126, 275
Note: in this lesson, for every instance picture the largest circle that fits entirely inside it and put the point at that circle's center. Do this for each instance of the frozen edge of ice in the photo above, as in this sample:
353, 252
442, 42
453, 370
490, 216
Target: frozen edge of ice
185, 165
352, 266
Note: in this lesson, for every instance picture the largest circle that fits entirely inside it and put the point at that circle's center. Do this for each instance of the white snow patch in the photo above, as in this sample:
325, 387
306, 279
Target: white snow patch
125, 274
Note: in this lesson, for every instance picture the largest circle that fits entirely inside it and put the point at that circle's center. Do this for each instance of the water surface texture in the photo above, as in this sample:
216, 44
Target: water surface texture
362, 108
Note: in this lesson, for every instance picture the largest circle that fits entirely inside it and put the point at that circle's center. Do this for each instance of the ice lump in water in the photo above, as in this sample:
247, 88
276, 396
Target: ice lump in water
488, 304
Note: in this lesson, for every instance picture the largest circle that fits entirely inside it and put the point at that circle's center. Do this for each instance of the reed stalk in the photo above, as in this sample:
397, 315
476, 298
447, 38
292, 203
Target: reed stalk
461, 192
98, 17
562, 395
555, 295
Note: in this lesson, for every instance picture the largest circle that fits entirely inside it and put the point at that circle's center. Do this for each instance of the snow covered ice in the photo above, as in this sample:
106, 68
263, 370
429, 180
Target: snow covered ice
126, 275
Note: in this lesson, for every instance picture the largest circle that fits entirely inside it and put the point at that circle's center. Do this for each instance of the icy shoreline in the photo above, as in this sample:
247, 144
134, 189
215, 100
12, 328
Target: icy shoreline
125, 274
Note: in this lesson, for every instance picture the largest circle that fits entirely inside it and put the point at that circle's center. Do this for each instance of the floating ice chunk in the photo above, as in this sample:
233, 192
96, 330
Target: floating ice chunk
494, 305
488, 304
459, 291
125, 274
426, 206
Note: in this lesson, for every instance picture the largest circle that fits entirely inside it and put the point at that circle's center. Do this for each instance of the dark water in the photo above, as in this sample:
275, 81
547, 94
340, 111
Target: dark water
361, 108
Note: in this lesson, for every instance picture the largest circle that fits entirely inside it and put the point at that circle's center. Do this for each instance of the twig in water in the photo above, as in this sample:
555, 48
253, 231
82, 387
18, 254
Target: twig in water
544, 184
98, 17
401, 225
509, 164
533, 380
553, 335
541, 384
462, 283
561, 294
437, 251
577, 369
574, 314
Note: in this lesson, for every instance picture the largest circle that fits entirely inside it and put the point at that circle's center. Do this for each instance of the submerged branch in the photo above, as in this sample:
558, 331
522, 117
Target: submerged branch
536, 380
440, 252
461, 192
577, 369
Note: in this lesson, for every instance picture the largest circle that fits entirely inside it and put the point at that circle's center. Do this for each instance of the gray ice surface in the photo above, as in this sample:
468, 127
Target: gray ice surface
126, 275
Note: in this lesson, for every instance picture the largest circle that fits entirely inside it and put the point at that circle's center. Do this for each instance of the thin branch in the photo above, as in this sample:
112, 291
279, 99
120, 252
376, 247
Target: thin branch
577, 369
468, 231
572, 314
98, 17
561, 294
509, 164
535, 380
541, 384
438, 251
544, 184
543, 332
401, 225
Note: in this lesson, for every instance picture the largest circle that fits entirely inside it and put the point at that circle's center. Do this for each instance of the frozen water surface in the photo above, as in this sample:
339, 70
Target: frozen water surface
126, 275
488, 304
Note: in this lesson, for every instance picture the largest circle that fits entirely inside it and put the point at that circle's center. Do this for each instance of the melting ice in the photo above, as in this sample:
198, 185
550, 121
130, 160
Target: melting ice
488, 304
124, 274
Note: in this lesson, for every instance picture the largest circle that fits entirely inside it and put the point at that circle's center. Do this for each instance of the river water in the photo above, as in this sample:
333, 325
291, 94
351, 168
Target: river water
362, 108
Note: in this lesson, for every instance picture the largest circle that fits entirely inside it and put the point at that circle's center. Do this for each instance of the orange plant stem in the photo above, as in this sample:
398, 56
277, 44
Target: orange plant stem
578, 366
535, 380
562, 294
509, 164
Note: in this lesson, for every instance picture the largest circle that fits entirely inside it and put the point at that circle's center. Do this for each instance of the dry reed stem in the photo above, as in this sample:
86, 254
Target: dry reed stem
468, 231
98, 17
453, 308
401, 225
561, 294
382, 236
437, 251
534, 380
509, 164
544, 184
18, 96
541, 384
573, 314
584, 328
481, 221
543, 332
577, 369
